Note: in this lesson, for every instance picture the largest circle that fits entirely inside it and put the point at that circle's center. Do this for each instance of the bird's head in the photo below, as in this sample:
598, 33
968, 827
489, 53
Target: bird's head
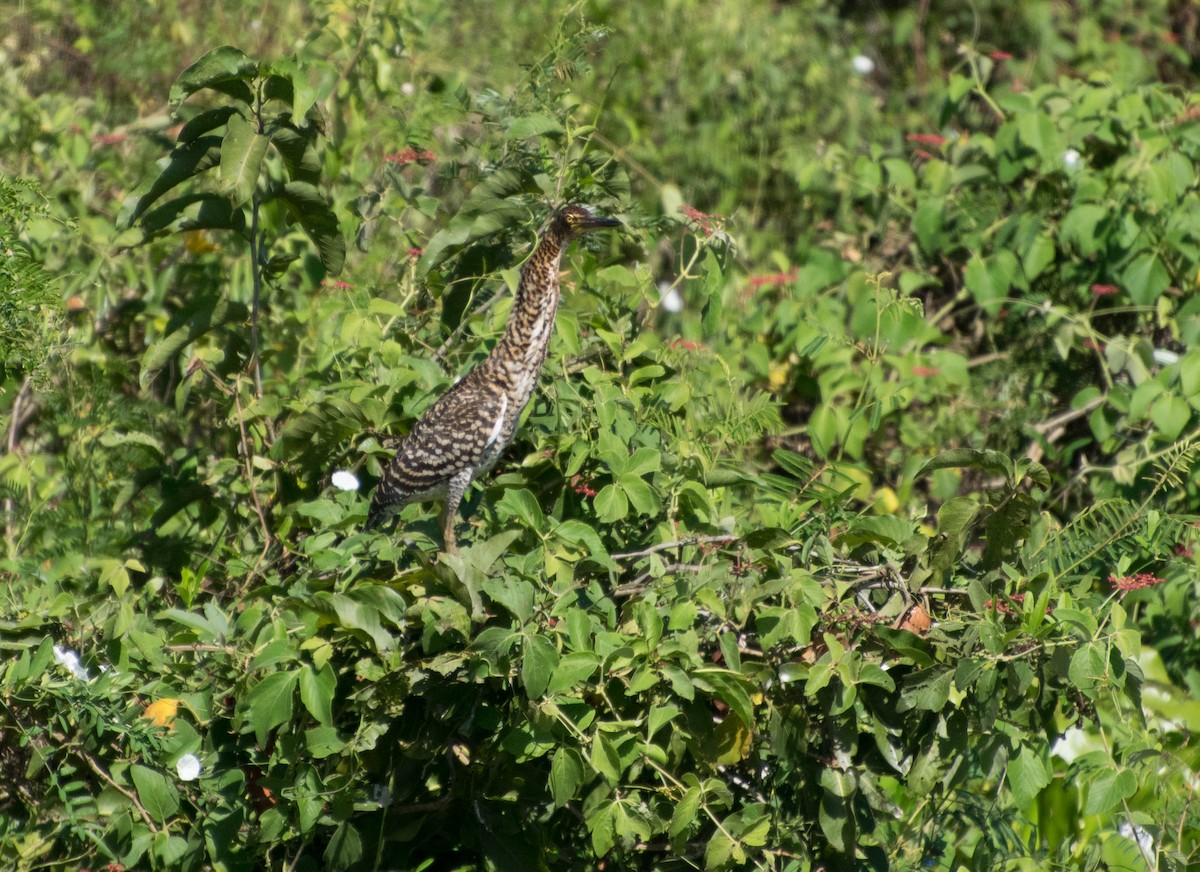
573, 221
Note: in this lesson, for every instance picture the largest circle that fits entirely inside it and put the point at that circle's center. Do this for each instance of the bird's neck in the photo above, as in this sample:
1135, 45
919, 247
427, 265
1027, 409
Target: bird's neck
531, 322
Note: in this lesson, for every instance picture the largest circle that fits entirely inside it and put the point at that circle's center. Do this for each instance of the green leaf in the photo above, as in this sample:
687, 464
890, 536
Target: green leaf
156, 792
318, 221
1027, 775
992, 462
225, 69
193, 212
242, 153
1145, 278
1107, 790
836, 814
182, 164
208, 315
566, 775
344, 848
270, 703
571, 670
515, 594
316, 692
611, 504
733, 689
206, 122
537, 665
533, 125
605, 759
1170, 414
520, 503
684, 815
990, 282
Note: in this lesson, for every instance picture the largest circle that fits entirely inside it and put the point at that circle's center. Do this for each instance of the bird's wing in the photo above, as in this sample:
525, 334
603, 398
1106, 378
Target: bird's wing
450, 437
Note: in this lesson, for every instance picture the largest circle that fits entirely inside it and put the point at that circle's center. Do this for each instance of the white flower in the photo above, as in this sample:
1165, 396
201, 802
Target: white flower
1164, 358
345, 480
408, 89
863, 65
69, 660
188, 767
671, 300
1071, 159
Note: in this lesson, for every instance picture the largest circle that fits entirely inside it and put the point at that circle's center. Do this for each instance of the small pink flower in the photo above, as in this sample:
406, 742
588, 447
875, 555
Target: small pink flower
706, 221
774, 279
926, 139
337, 283
410, 155
414, 253
1000, 55
1126, 583
1099, 290
926, 371
581, 487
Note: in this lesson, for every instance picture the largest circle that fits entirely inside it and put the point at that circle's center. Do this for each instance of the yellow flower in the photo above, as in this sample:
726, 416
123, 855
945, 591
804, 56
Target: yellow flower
161, 712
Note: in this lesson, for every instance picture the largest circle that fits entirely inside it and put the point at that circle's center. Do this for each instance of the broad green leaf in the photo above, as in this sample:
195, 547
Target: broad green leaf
157, 793
533, 125
318, 221
225, 69
521, 504
1027, 775
208, 315
316, 692
611, 504
566, 775
571, 670
183, 163
733, 690
537, 665
270, 703
1145, 278
193, 212
242, 153
605, 759
684, 815
1106, 791
344, 848
1170, 414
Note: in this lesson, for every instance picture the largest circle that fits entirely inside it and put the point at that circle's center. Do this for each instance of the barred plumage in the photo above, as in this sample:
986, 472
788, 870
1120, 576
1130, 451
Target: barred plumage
464, 433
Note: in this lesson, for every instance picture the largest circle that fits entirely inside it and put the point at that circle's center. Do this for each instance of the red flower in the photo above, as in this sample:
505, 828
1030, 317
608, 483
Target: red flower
1104, 290
581, 487
685, 344
409, 155
1000, 55
705, 220
926, 139
774, 279
1126, 583
414, 253
926, 371
337, 283
924, 155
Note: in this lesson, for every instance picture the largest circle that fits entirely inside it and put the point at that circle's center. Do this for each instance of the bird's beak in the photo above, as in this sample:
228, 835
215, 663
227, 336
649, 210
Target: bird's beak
595, 222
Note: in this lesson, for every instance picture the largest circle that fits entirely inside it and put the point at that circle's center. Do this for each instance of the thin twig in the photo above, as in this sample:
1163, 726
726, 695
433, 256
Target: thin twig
128, 794
663, 546
268, 536
14, 428
636, 586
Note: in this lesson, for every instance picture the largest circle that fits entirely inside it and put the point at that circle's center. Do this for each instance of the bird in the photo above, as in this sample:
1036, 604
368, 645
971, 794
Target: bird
463, 434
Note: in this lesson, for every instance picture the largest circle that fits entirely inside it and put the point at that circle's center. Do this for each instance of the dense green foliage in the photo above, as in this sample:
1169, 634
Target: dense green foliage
852, 524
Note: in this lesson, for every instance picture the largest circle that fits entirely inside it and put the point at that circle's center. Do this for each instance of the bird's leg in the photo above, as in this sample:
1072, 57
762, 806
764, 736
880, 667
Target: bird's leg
454, 494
